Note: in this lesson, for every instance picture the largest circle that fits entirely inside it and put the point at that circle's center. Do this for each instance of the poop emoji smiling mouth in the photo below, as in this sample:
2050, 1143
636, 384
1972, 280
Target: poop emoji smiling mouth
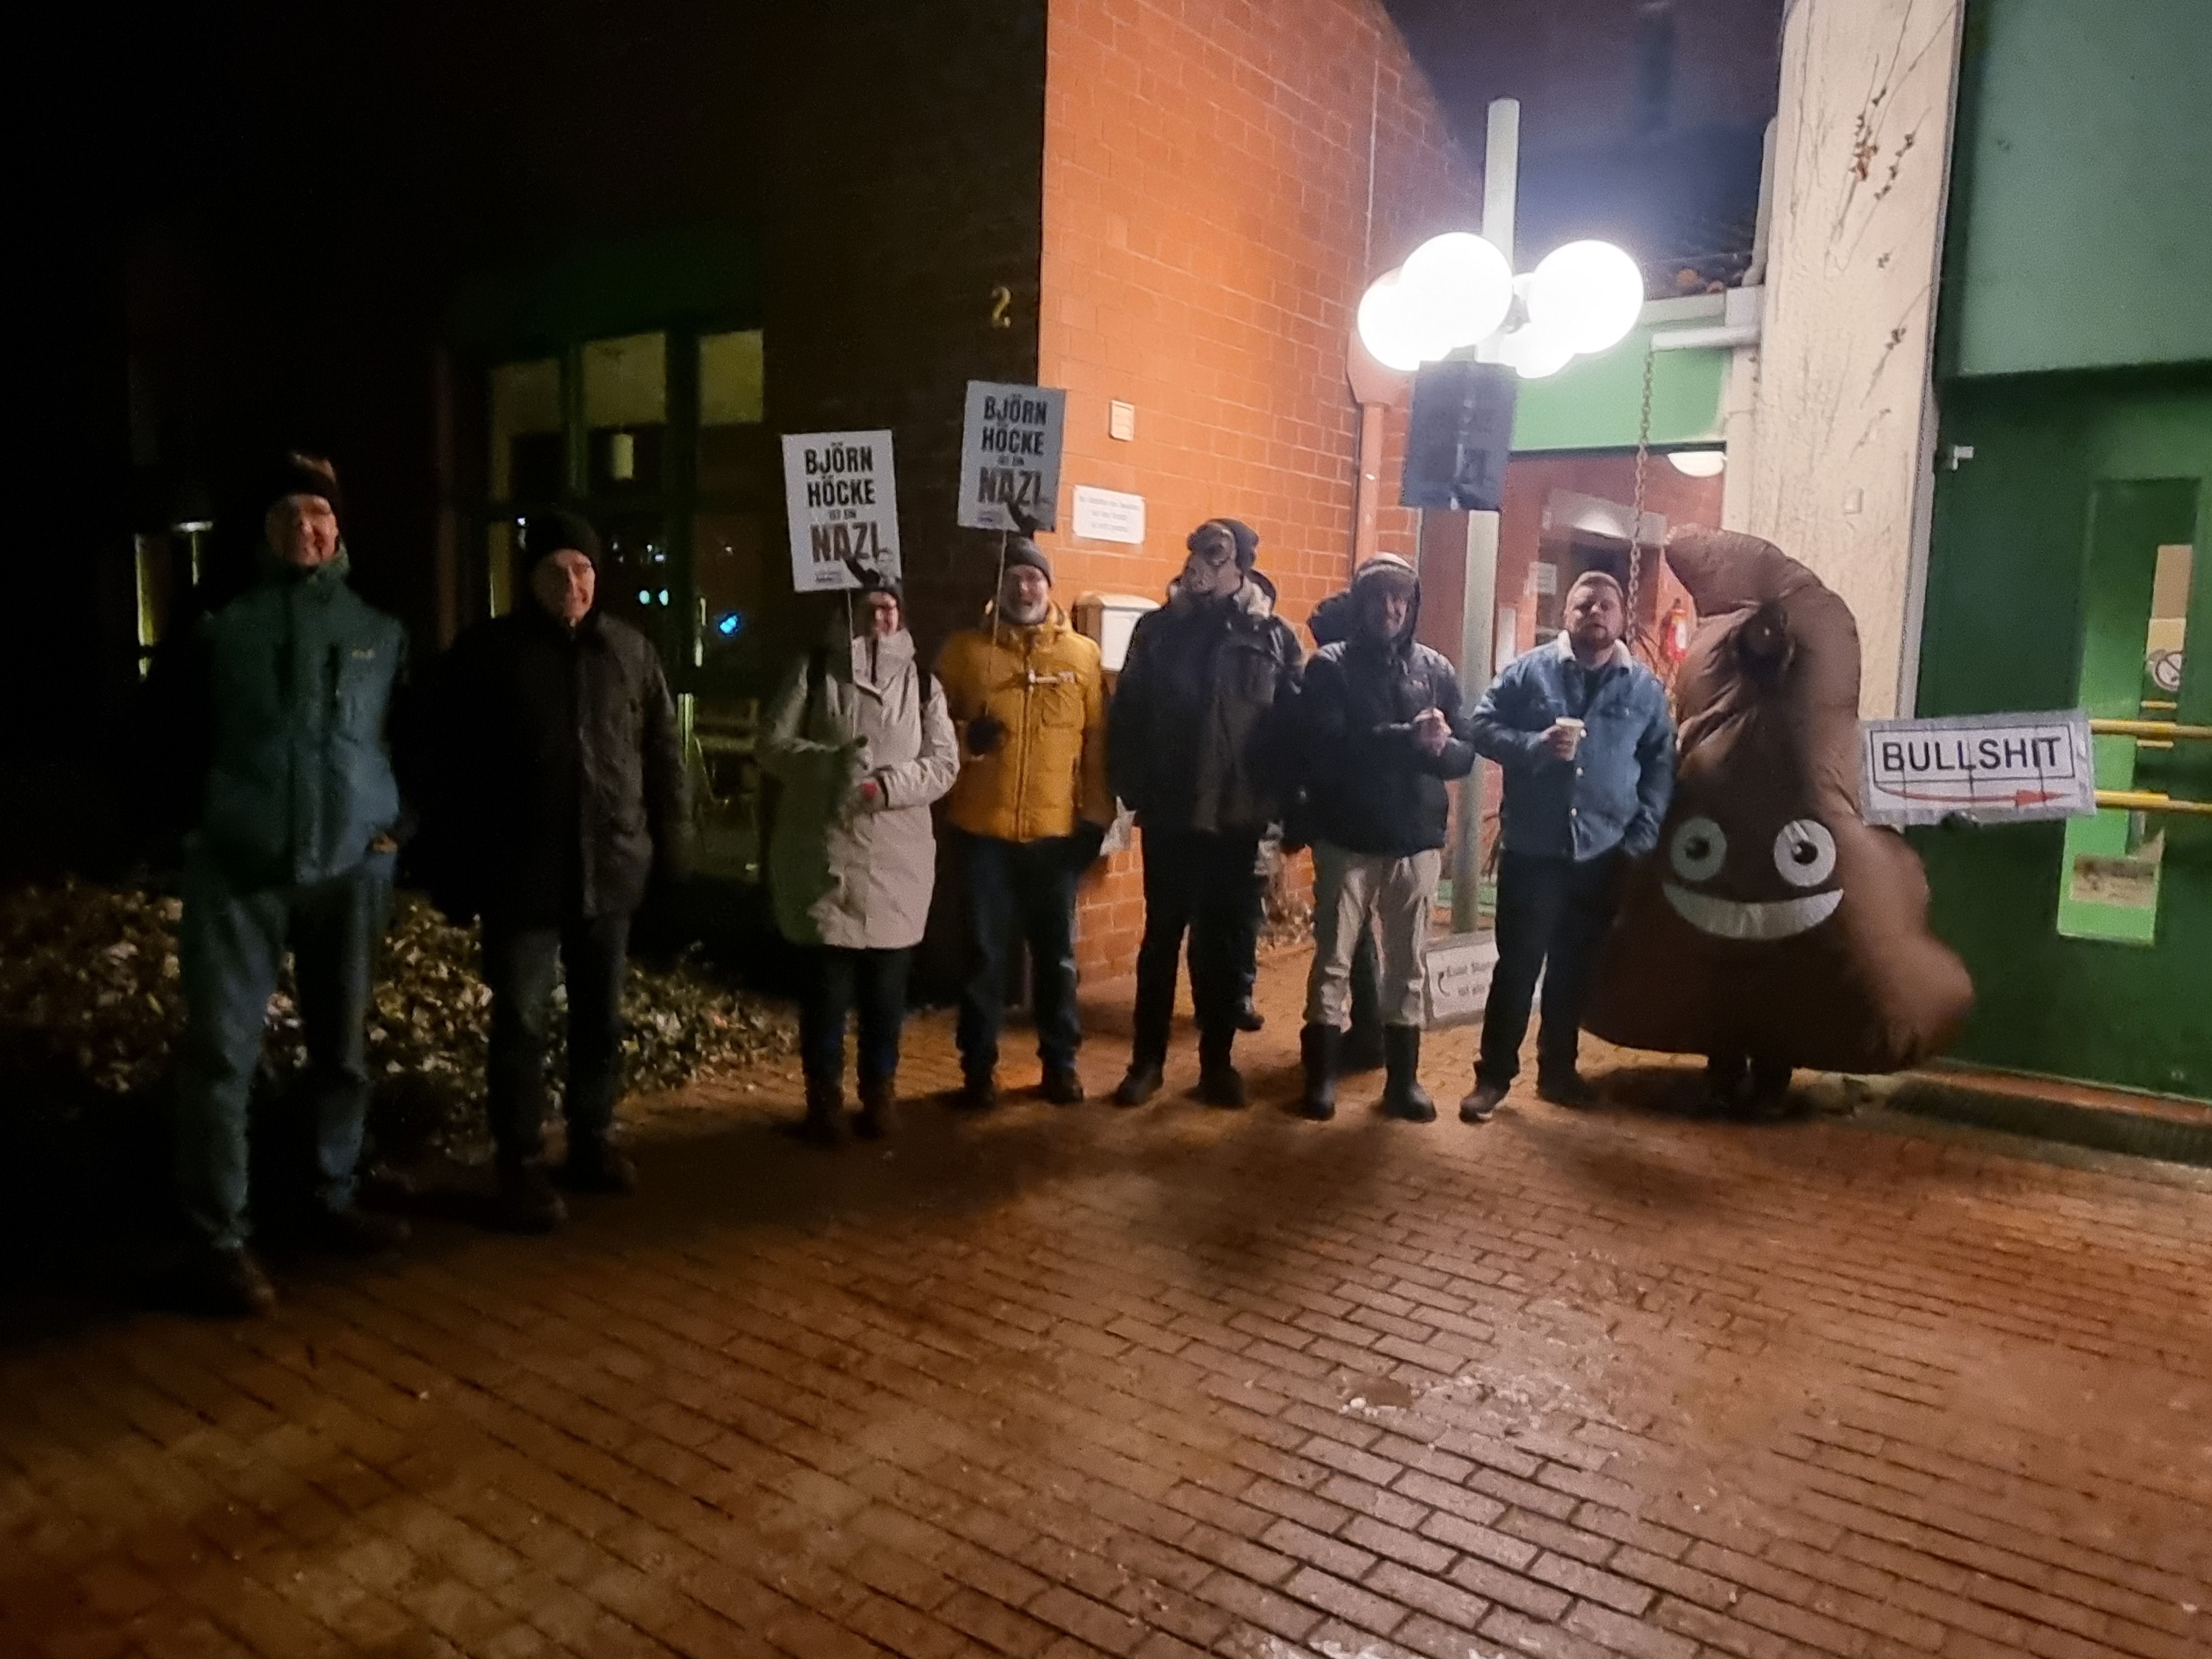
1768, 919
1804, 856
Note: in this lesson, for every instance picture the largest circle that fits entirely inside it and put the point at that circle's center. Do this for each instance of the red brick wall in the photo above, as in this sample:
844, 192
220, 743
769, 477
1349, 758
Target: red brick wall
1207, 237
905, 191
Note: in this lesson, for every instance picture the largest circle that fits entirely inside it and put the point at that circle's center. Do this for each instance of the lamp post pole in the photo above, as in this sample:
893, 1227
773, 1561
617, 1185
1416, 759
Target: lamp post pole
1501, 162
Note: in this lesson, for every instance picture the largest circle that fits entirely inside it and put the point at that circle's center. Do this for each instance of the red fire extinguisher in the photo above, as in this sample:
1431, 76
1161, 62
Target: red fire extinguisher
1674, 633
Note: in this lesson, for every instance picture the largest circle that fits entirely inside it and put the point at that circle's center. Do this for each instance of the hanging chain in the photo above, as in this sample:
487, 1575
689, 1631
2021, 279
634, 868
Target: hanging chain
1638, 635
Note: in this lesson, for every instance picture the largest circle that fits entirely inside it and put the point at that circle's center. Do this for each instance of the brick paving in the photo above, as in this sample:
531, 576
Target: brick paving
1175, 1381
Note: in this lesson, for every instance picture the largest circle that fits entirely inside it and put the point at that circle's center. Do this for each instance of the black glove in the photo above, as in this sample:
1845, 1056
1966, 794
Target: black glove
985, 734
1086, 844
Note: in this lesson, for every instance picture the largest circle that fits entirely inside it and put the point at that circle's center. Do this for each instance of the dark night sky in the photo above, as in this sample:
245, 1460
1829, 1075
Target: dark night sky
1640, 119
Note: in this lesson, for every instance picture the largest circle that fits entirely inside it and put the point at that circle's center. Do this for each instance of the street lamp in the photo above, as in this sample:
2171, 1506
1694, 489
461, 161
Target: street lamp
1457, 290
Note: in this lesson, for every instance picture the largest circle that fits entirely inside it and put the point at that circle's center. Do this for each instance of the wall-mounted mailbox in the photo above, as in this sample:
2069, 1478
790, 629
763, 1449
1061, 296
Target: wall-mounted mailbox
1110, 618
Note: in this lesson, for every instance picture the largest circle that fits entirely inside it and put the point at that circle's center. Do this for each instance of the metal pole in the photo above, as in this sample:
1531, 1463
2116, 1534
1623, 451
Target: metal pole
1501, 164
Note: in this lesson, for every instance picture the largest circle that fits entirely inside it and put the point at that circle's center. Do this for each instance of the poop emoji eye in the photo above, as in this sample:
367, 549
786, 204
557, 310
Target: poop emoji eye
1698, 849
1805, 853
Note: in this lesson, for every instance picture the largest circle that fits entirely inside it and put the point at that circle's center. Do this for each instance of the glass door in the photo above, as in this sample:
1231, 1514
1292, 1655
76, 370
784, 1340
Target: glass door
658, 439
735, 564
2135, 597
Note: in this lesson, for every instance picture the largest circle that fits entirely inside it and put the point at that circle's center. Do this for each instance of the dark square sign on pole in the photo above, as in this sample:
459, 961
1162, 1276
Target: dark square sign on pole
1460, 437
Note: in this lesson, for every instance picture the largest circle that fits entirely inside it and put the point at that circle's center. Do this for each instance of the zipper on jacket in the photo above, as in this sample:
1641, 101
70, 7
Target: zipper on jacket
1022, 771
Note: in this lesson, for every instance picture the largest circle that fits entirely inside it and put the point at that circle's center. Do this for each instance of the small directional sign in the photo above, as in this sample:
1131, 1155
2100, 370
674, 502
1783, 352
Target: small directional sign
1993, 768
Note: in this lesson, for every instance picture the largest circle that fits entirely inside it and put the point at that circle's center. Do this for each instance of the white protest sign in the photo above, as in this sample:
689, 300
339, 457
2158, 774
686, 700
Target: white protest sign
1995, 768
1108, 515
1460, 967
841, 491
1010, 452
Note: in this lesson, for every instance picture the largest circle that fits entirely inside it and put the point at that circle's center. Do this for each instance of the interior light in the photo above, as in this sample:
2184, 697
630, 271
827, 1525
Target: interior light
1589, 294
664, 596
727, 628
644, 597
1698, 463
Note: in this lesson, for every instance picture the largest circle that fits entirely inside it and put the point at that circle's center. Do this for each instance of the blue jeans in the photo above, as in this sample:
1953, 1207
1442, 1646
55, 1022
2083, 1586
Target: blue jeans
233, 946
1553, 917
876, 980
520, 963
1035, 881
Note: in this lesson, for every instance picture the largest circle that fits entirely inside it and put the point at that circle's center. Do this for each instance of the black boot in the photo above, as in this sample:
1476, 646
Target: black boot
874, 1116
979, 1092
1219, 1084
596, 1165
1319, 1046
1138, 1084
527, 1202
825, 1122
226, 1283
1402, 1094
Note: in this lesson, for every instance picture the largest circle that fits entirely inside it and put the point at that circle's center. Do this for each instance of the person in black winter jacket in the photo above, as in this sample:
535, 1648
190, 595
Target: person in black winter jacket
554, 778
1380, 716
1193, 750
1362, 1049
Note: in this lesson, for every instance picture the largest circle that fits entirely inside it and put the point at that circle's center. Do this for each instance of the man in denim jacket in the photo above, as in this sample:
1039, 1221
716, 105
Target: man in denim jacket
1586, 743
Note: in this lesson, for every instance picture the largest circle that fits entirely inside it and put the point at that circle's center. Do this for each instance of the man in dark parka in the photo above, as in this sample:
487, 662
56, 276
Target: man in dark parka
1192, 750
555, 799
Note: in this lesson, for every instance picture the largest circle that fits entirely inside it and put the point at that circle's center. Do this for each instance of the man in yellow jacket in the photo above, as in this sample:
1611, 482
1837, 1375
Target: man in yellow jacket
1029, 812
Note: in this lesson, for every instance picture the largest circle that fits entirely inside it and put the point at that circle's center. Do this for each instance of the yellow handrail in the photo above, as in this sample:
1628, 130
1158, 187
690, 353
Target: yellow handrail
2164, 730
2143, 800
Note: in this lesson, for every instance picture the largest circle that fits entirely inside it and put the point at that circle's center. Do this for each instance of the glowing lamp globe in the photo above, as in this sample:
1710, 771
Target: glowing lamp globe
1698, 463
1535, 352
1460, 285
1587, 294
1391, 326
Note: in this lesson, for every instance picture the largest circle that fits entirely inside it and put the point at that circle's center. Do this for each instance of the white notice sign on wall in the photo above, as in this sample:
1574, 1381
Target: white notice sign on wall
1108, 515
1994, 768
841, 493
1009, 454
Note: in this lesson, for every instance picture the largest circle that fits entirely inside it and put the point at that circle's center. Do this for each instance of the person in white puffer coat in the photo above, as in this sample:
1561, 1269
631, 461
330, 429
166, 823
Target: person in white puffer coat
859, 738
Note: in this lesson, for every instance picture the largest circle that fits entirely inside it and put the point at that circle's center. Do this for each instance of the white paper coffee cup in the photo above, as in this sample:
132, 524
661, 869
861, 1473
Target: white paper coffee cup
1575, 729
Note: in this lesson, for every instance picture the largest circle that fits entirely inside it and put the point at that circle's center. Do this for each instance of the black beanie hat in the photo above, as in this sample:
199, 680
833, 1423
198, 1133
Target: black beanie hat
1020, 549
1246, 539
295, 473
552, 530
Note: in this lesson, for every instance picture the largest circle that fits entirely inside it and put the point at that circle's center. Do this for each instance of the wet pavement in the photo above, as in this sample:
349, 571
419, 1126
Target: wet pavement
1174, 1381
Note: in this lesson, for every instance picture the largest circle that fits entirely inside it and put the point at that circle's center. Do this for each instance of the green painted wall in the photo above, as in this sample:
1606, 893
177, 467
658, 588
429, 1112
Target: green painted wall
2009, 603
2082, 212
1597, 402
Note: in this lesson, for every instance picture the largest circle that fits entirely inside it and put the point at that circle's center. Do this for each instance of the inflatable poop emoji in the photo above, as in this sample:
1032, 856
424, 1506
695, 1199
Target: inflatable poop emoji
1774, 927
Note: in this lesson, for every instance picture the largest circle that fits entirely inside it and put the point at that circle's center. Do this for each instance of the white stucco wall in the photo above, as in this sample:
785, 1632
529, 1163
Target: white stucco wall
1840, 456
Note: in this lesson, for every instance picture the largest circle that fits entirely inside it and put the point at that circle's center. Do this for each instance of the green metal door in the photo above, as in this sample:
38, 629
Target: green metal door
2067, 567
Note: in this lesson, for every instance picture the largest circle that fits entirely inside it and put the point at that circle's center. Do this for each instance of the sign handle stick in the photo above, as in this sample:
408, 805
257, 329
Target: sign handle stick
998, 588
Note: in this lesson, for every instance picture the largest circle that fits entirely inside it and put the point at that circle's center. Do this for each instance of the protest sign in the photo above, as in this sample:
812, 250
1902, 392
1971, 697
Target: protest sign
1993, 768
1010, 455
841, 491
